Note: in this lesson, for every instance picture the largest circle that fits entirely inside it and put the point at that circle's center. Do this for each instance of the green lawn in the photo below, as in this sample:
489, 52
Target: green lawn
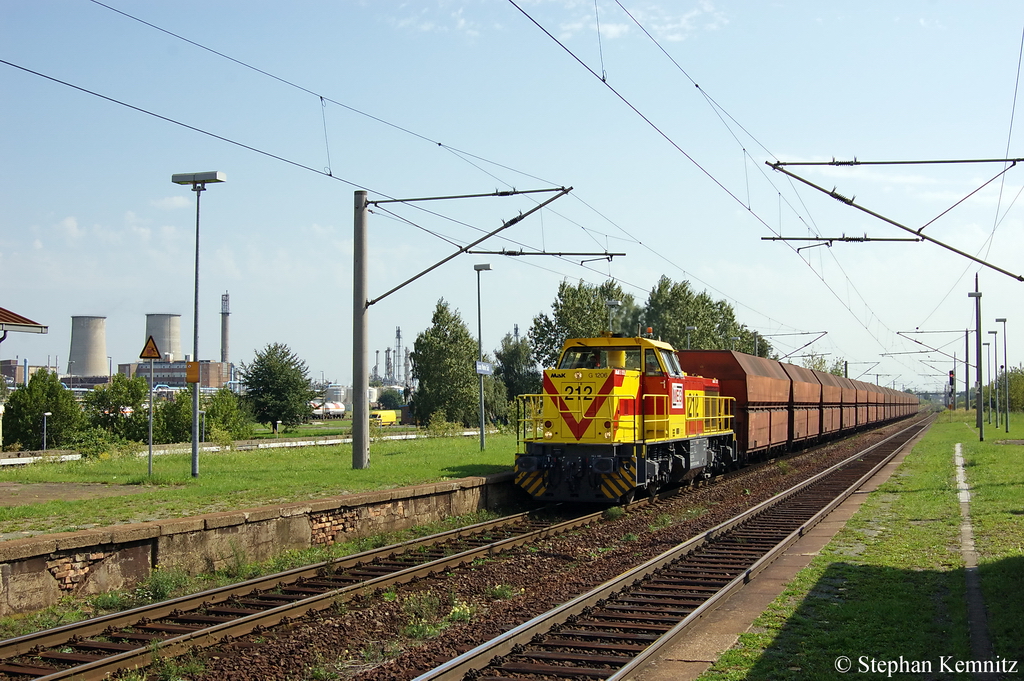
236, 480
891, 585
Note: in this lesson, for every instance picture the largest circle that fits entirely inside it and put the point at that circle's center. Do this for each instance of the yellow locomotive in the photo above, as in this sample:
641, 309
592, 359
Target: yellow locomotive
619, 416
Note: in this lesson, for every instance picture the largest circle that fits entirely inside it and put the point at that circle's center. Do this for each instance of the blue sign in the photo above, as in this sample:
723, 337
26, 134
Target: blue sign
484, 368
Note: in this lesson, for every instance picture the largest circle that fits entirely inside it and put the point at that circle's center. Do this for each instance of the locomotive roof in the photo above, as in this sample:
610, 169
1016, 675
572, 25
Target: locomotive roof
616, 342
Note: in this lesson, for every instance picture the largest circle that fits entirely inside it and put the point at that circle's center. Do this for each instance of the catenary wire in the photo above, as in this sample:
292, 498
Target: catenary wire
462, 154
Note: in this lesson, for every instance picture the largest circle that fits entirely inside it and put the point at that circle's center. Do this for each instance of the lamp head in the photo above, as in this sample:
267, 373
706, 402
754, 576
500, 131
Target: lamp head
1001, 319
483, 267
199, 178
974, 294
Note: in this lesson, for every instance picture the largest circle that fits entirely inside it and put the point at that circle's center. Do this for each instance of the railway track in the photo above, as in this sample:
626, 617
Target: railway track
95, 648
616, 629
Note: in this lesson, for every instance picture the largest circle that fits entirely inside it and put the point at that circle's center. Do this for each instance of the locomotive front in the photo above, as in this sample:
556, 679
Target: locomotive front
618, 416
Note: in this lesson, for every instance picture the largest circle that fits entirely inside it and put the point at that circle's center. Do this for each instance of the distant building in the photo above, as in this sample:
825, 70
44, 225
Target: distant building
172, 374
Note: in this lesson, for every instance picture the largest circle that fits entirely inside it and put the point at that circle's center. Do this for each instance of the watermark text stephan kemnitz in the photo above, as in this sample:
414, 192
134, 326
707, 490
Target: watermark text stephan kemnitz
944, 664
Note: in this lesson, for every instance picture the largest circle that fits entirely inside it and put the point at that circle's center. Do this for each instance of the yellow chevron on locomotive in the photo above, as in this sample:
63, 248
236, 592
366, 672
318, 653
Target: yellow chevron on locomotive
589, 405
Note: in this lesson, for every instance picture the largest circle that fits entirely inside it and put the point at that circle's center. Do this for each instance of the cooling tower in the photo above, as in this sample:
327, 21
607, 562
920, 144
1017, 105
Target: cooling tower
88, 356
166, 332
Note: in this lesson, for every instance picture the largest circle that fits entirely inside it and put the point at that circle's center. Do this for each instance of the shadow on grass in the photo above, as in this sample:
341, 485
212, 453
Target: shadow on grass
858, 621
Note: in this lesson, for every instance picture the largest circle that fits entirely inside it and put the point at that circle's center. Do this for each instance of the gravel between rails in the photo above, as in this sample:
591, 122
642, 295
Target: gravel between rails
364, 638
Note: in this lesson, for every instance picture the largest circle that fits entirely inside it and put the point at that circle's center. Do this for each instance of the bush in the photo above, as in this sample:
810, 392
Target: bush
98, 443
441, 427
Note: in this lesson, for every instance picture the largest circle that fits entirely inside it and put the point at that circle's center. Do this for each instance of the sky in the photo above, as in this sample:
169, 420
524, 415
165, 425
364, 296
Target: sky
661, 116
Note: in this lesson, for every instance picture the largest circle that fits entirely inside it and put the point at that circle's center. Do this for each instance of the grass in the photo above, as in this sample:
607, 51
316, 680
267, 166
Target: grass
235, 480
891, 584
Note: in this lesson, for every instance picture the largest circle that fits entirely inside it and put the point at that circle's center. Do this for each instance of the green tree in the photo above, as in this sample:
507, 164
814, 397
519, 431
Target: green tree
496, 405
118, 407
444, 362
390, 398
581, 311
516, 368
23, 415
819, 363
277, 387
226, 411
673, 306
172, 420
1016, 388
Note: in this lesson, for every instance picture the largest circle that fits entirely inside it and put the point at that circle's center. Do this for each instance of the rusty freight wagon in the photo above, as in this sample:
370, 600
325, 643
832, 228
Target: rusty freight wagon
761, 389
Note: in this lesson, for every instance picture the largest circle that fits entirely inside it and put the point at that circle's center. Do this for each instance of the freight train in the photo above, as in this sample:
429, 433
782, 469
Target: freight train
624, 416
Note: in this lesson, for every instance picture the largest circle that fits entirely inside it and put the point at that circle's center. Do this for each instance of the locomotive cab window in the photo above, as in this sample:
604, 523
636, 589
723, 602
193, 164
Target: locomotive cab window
651, 365
671, 364
601, 358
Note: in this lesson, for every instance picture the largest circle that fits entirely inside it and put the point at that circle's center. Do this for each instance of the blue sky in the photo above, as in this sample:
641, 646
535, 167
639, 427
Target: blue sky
443, 98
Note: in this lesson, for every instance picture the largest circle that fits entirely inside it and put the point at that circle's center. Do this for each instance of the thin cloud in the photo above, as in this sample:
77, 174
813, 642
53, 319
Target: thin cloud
171, 203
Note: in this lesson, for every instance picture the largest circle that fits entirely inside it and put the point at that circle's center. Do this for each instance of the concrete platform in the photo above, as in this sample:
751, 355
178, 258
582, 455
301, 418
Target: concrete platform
719, 631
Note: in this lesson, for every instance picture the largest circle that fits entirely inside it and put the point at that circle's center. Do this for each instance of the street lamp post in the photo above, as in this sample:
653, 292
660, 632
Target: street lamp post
480, 344
198, 182
1006, 375
988, 365
45, 414
688, 330
995, 376
734, 339
980, 422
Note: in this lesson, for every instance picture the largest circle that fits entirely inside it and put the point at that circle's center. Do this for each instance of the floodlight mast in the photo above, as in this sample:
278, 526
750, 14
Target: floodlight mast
198, 182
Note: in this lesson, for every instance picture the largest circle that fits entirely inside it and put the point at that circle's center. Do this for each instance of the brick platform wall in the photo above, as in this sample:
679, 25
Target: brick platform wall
36, 572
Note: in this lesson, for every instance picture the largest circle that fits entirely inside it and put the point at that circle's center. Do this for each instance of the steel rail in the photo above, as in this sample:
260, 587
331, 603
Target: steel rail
72, 634
475, 661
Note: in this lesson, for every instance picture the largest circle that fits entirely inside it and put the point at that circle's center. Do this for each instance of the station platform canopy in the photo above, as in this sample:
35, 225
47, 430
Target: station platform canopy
12, 321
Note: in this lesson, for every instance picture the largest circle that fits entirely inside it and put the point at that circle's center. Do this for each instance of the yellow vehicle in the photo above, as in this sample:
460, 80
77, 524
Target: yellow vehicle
617, 416
385, 417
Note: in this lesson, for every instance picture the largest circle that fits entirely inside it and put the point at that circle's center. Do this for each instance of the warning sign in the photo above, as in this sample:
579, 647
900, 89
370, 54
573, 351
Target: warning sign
150, 351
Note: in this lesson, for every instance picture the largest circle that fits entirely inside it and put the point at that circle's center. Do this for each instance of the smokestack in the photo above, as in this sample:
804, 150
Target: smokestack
225, 310
88, 356
166, 332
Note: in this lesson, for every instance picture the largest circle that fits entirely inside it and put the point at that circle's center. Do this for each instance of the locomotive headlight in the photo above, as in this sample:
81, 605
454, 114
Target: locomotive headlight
607, 435
607, 424
547, 424
547, 434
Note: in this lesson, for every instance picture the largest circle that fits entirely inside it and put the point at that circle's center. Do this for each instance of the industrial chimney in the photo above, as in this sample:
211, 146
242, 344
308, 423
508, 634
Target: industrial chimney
225, 310
166, 332
88, 356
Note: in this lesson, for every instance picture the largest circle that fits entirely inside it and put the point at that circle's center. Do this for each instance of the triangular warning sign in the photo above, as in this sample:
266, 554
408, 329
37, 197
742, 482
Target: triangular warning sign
150, 351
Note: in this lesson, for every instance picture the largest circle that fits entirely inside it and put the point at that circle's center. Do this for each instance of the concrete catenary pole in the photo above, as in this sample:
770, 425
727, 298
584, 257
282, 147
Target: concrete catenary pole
360, 353
967, 369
